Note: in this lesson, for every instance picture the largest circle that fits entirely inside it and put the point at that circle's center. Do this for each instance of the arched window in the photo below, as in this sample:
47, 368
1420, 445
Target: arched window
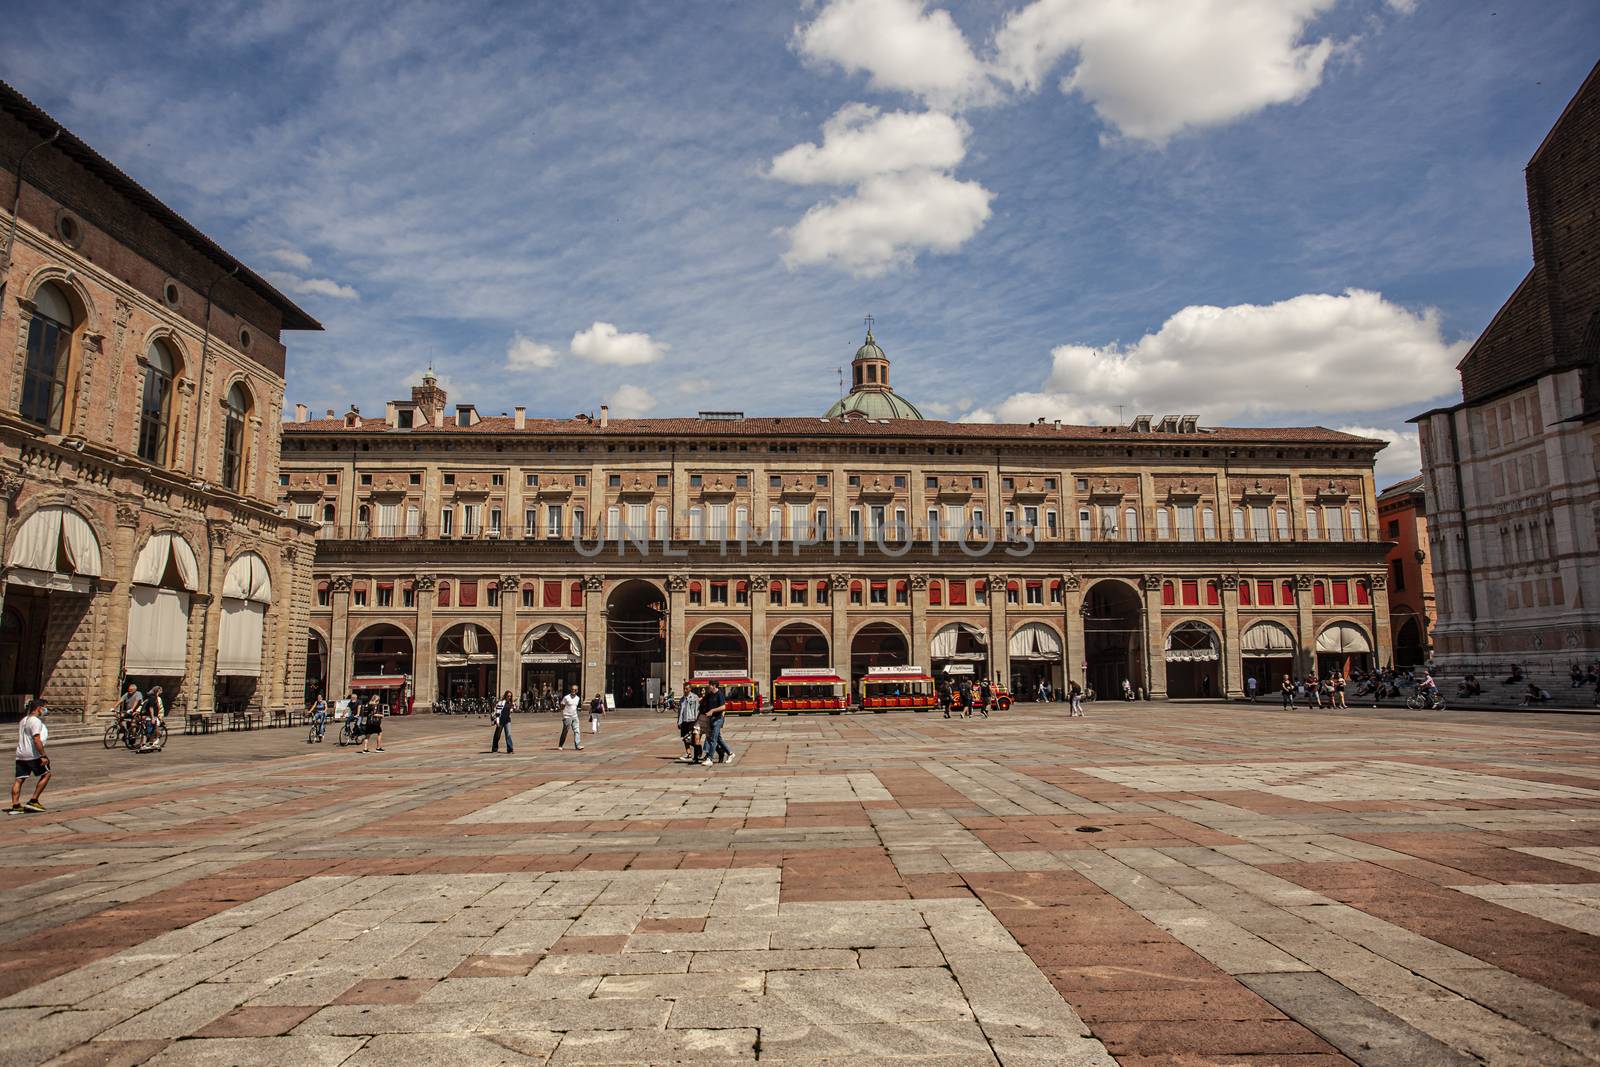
1288, 591
235, 448
1238, 530
1319, 594
1130, 523
1213, 594
1311, 524
822, 591
47, 378
444, 594
1246, 597
855, 592
1163, 524
1169, 594
935, 593
1357, 526
1208, 523
1283, 524
663, 531
155, 410
1363, 592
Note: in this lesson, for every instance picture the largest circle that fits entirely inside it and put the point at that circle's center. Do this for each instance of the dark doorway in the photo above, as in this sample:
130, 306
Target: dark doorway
798, 646
1409, 648
1113, 639
636, 640
316, 666
876, 644
718, 647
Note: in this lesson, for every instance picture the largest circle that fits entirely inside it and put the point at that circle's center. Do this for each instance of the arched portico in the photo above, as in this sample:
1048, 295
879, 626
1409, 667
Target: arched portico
1114, 638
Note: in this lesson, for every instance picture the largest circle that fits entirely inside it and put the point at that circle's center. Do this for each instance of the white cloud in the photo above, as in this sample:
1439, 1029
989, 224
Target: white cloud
1401, 460
1331, 354
601, 343
859, 142
901, 45
887, 221
937, 408
1152, 68
631, 402
291, 257
695, 385
524, 353
311, 286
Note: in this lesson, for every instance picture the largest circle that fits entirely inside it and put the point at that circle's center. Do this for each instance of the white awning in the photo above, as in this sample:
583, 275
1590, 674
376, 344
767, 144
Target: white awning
239, 646
53, 534
1035, 641
1268, 639
151, 566
158, 632
943, 645
248, 580
1192, 642
531, 653
1344, 639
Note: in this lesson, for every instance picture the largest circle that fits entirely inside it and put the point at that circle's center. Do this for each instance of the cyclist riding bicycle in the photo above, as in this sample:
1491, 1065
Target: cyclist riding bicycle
1428, 689
319, 717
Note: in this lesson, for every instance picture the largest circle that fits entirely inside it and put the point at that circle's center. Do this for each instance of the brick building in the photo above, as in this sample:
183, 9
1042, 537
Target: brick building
470, 554
1511, 469
139, 424
1403, 517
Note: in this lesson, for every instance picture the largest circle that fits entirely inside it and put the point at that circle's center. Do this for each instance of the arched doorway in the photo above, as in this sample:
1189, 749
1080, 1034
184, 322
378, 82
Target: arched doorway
1343, 647
551, 660
1192, 654
636, 642
959, 650
1267, 651
51, 568
877, 644
316, 666
246, 598
1035, 655
718, 646
1113, 639
468, 661
166, 575
798, 646
1409, 647
381, 663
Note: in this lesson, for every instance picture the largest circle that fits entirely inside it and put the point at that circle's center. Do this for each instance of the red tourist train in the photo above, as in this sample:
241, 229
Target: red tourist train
898, 687
738, 690
810, 690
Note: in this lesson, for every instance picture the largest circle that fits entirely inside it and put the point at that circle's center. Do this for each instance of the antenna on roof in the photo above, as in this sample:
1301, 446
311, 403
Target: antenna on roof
841, 380
1119, 414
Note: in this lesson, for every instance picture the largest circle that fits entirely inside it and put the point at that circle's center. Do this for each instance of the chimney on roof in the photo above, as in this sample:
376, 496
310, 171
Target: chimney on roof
438, 418
330, 413
300, 413
522, 417
605, 416
389, 416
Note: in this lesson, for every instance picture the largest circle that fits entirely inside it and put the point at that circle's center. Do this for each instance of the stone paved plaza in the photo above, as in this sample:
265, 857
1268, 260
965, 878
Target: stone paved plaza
1153, 884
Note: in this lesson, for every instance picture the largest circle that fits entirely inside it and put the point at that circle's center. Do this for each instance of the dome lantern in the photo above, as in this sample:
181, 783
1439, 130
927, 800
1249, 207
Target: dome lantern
871, 396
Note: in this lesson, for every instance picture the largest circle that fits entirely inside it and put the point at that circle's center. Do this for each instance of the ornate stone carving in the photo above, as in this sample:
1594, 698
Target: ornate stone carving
291, 555
1230, 583
593, 583
997, 583
1378, 581
219, 533
919, 582
1071, 582
10, 486
840, 582
1302, 582
1152, 583
123, 312
424, 583
759, 583
510, 583
677, 583
342, 583
127, 513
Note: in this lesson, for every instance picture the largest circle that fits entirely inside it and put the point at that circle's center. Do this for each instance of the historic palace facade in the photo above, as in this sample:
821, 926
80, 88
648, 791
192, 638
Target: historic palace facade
471, 554
140, 407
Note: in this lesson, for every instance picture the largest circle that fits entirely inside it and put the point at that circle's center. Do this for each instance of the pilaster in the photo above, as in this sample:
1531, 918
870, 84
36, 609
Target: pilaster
1232, 661
424, 675
839, 605
1305, 627
1074, 655
919, 622
1155, 663
760, 655
205, 693
119, 602
510, 648
999, 632
339, 653
594, 634
677, 633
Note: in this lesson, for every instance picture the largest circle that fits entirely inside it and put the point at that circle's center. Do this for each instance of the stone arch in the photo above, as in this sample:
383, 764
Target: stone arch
718, 645
1114, 637
798, 643
65, 501
1193, 653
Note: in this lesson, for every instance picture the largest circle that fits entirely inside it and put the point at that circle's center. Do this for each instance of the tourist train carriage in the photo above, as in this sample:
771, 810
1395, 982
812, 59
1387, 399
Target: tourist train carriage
809, 689
897, 687
738, 689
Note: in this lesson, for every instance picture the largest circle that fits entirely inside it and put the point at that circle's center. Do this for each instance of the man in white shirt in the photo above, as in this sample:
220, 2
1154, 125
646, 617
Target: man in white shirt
569, 720
32, 762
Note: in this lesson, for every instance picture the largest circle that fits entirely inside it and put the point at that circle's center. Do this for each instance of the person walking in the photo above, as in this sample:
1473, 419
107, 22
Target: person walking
502, 723
715, 748
945, 696
32, 761
597, 708
151, 713
569, 720
688, 712
1075, 700
374, 725
1338, 691
1288, 692
1250, 686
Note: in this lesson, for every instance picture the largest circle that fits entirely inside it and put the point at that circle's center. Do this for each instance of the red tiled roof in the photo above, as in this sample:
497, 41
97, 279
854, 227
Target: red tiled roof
791, 426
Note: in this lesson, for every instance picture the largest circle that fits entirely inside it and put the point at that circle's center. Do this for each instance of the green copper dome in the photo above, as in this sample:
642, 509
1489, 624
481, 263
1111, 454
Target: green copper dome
871, 396
873, 404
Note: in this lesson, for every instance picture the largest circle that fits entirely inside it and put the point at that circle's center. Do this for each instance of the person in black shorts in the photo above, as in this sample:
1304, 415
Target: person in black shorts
32, 762
374, 724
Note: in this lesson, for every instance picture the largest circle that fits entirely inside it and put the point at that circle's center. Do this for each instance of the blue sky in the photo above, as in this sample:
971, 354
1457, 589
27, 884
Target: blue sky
1265, 211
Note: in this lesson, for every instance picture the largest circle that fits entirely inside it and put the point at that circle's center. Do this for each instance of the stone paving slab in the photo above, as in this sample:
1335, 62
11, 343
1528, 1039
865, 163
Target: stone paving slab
1152, 884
